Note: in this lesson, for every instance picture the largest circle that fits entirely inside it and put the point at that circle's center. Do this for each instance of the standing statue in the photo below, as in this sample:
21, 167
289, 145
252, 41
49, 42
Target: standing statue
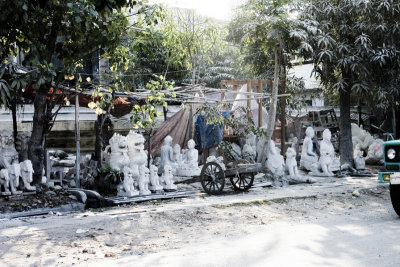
154, 179
127, 188
177, 155
190, 165
136, 153
291, 163
275, 161
359, 160
167, 155
308, 157
144, 181
328, 162
119, 152
168, 178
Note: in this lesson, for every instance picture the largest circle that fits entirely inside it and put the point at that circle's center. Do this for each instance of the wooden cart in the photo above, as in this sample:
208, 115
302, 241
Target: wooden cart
212, 177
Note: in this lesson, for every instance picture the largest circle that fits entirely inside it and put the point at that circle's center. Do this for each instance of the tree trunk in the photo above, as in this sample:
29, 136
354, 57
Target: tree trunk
346, 144
273, 104
99, 139
14, 118
39, 126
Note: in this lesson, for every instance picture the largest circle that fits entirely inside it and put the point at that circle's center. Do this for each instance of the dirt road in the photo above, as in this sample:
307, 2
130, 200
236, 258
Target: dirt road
338, 222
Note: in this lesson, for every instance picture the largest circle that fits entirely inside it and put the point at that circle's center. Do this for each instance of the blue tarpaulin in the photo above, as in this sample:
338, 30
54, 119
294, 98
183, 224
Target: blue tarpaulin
209, 134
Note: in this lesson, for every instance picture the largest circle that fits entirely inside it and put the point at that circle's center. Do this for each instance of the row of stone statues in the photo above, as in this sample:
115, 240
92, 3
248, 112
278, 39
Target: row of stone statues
128, 156
11, 170
327, 163
183, 162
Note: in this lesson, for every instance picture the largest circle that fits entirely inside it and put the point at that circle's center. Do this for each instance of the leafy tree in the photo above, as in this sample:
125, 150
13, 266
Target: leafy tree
263, 26
63, 32
354, 47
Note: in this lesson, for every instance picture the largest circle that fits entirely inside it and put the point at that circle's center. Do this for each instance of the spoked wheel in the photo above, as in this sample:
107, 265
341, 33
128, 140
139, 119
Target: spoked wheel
212, 178
242, 181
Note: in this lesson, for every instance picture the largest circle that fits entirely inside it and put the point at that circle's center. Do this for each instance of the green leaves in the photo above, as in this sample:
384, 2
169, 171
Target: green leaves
143, 116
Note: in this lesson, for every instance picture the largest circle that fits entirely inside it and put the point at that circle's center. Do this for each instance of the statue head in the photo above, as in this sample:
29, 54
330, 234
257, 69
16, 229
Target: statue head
177, 149
310, 132
135, 141
118, 143
168, 140
326, 135
290, 153
128, 173
191, 144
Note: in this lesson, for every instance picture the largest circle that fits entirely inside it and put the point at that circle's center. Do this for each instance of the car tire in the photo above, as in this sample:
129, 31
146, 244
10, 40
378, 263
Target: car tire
395, 197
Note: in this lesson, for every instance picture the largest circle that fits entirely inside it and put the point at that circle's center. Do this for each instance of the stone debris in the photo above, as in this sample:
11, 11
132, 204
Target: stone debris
356, 193
81, 231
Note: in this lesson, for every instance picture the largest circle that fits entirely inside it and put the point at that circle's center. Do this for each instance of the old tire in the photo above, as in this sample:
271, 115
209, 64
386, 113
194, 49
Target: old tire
212, 178
395, 197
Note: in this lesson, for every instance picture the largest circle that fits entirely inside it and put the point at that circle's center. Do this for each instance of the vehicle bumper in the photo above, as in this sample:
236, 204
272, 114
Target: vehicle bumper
389, 177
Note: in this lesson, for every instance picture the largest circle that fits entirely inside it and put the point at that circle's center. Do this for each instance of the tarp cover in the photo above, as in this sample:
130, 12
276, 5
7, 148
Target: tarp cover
209, 135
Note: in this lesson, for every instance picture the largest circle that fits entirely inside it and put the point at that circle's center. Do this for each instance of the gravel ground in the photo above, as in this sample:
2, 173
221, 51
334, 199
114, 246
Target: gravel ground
147, 228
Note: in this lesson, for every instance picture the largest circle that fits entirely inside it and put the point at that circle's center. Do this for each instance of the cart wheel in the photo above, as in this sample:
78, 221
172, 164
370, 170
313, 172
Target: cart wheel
212, 178
242, 181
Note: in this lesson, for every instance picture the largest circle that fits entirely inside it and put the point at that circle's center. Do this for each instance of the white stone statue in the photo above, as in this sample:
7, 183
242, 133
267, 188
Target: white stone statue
27, 174
127, 187
190, 165
328, 162
219, 160
168, 178
275, 161
291, 163
119, 152
9, 162
154, 179
178, 155
144, 181
167, 155
4, 182
14, 172
308, 157
359, 160
137, 154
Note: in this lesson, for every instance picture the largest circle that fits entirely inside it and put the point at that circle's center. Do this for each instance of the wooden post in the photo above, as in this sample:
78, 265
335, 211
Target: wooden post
283, 119
223, 95
259, 90
234, 89
78, 145
248, 97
